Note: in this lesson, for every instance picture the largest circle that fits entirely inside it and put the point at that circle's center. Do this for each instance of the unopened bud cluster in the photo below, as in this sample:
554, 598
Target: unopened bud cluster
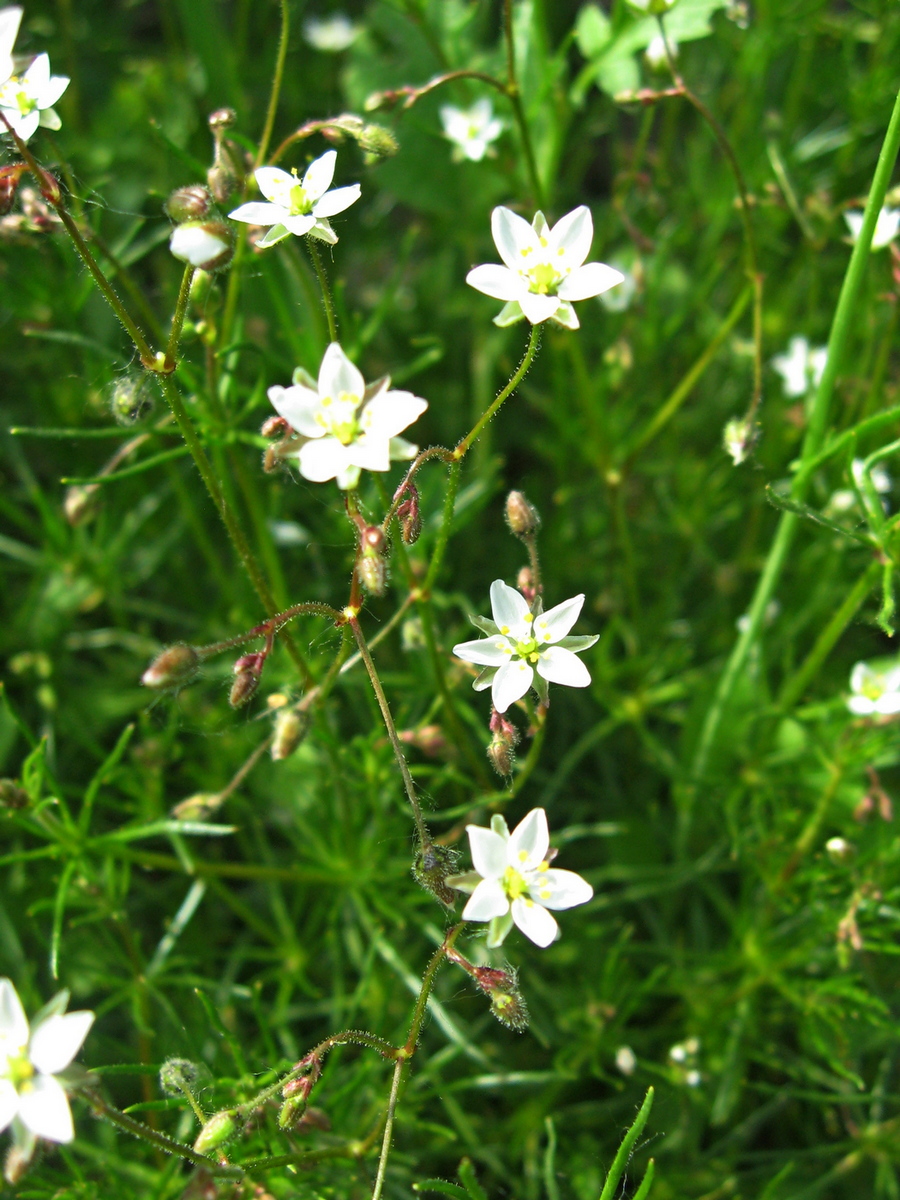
372, 563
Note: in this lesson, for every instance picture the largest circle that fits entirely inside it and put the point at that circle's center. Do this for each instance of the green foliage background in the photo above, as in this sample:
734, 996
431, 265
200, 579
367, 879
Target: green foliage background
717, 913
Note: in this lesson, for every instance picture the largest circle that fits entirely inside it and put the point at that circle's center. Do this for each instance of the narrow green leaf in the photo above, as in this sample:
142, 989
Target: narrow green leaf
626, 1149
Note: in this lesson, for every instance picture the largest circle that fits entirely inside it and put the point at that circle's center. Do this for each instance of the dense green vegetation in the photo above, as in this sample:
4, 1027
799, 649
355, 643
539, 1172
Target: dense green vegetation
748, 971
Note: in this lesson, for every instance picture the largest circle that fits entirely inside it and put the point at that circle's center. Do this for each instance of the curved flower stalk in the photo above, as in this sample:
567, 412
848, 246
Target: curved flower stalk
298, 206
350, 427
32, 1099
545, 269
513, 882
471, 130
875, 693
525, 648
27, 99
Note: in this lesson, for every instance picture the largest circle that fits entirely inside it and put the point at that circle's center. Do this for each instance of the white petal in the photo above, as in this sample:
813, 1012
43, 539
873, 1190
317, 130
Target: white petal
888, 704
338, 375
538, 308
10, 19
535, 922
275, 184
556, 622
573, 234
276, 234
529, 841
557, 665
391, 412
299, 407
487, 901
260, 212
347, 478
559, 889
52, 90
514, 238
496, 281
25, 127
44, 1109
509, 609
402, 450
319, 175
57, 1040
860, 676
337, 200
593, 279
488, 851
13, 1022
370, 453
323, 460
511, 683
486, 652
298, 225
9, 1100
37, 76
195, 245
861, 706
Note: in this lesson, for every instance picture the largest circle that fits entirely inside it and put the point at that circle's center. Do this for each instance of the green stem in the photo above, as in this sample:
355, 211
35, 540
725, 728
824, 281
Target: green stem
276, 86
159, 1140
181, 306
443, 537
844, 318
515, 98
323, 284
533, 342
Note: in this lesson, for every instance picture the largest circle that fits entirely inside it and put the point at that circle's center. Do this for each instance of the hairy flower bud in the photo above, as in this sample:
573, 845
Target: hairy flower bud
290, 730
503, 743
247, 672
48, 186
431, 869
17, 1161
410, 517
739, 437
221, 119
218, 1129
521, 517
131, 398
510, 1010
274, 427
178, 1075
81, 503
208, 245
175, 666
9, 185
377, 141
190, 203
372, 567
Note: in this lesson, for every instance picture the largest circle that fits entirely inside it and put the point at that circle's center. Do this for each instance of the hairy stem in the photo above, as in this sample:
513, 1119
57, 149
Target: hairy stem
327, 301
534, 341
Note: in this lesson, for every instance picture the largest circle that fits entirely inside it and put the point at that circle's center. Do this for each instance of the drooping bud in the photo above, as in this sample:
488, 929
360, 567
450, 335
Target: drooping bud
430, 740
81, 503
247, 672
131, 398
433, 865
371, 566
215, 1132
208, 245
11, 795
510, 1010
290, 730
191, 203
178, 1075
274, 427
175, 666
48, 186
378, 142
521, 517
9, 185
296, 1098
501, 751
409, 516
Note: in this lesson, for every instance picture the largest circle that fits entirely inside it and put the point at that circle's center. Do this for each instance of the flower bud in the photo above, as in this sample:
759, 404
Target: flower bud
739, 437
510, 1009
199, 807
296, 1097
9, 185
378, 142
222, 119
208, 245
839, 850
521, 517
432, 867
274, 427
16, 1162
247, 672
81, 503
48, 186
503, 744
191, 203
175, 666
178, 1075
11, 795
290, 730
410, 517
371, 566
218, 1129
131, 398
525, 583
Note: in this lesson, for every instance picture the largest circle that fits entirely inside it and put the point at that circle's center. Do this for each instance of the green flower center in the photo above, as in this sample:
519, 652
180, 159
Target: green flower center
299, 201
18, 1070
339, 417
544, 278
527, 649
513, 883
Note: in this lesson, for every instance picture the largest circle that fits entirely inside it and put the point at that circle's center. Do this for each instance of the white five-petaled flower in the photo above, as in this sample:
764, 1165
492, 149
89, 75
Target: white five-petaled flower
331, 34
30, 1059
298, 206
545, 269
350, 426
802, 366
472, 130
513, 882
526, 648
875, 693
887, 226
26, 99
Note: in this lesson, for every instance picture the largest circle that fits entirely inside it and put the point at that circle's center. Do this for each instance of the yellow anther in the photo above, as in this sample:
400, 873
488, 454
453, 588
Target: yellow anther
523, 856
528, 618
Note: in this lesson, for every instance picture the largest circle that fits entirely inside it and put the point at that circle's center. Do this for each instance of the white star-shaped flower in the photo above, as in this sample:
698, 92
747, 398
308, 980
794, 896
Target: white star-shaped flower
802, 366
30, 1060
331, 34
27, 100
513, 882
351, 427
874, 692
10, 19
472, 130
526, 648
545, 269
298, 206
887, 226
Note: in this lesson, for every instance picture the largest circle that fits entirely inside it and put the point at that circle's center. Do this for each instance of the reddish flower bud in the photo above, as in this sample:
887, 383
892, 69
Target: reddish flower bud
274, 427
48, 185
521, 517
247, 672
175, 666
189, 203
371, 566
9, 185
409, 517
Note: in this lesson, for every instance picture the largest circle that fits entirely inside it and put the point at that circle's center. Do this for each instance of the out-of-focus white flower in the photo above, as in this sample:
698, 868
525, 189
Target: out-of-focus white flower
773, 608
693, 1078
619, 298
525, 648
655, 54
298, 206
27, 100
31, 1097
802, 366
513, 882
545, 269
472, 130
839, 850
331, 34
10, 19
887, 226
626, 1060
874, 692
739, 437
207, 245
350, 426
